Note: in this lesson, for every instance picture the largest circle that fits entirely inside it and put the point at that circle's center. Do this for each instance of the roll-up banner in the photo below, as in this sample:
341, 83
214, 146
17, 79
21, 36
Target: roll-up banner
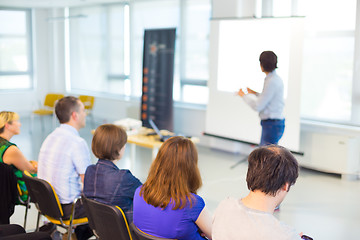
158, 74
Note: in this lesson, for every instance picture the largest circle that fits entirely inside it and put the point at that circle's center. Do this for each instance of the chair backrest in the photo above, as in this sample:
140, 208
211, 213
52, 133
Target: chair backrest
108, 222
88, 101
43, 194
88, 212
9, 192
51, 98
139, 235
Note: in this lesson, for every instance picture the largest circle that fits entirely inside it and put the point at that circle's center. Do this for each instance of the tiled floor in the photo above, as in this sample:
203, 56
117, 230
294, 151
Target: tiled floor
322, 206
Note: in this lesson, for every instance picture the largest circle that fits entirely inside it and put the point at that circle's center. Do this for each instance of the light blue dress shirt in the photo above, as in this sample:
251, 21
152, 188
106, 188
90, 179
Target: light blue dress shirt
270, 102
63, 156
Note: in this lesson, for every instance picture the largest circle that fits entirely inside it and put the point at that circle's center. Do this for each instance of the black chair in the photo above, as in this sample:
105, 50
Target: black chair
140, 235
26, 203
16, 232
107, 222
47, 202
9, 193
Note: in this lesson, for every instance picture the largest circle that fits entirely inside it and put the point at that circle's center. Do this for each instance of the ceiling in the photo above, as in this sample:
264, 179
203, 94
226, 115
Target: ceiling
53, 3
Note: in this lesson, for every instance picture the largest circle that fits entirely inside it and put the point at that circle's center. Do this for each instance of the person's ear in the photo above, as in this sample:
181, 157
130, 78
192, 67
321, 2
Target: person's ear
74, 115
286, 187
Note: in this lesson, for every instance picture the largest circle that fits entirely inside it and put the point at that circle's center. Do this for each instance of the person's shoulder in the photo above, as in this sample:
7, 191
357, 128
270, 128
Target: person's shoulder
119, 175
90, 168
127, 173
228, 201
228, 205
12, 151
137, 192
197, 197
129, 178
197, 201
89, 172
276, 78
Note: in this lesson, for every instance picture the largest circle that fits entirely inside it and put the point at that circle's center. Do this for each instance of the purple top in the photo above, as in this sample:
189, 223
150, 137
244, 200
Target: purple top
168, 223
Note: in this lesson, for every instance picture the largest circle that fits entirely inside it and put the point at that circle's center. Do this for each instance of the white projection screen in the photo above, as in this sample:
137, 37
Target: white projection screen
235, 46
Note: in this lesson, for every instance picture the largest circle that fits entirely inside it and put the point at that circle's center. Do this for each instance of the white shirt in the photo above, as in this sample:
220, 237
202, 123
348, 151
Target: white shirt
63, 156
270, 102
233, 220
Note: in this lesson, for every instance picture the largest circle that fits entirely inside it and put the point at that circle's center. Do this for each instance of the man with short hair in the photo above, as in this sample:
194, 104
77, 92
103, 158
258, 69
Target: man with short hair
64, 155
270, 102
272, 170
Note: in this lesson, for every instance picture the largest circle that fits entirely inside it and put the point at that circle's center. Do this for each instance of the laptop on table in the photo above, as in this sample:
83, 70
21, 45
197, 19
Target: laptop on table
156, 129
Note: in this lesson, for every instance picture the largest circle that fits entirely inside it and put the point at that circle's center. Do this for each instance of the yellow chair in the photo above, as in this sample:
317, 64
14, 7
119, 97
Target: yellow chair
47, 202
47, 109
88, 102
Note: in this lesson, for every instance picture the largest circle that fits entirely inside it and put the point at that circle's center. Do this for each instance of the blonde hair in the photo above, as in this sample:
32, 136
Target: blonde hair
173, 175
7, 117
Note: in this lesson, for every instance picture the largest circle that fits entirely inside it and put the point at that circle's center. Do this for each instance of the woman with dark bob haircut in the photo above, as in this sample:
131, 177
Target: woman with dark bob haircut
167, 205
104, 181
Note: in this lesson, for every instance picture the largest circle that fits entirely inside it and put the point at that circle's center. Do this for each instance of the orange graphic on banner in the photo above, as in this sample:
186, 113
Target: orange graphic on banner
144, 116
145, 80
144, 98
144, 107
145, 89
146, 70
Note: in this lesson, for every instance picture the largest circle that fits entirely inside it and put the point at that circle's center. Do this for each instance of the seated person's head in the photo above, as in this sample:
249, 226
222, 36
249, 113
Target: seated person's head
7, 118
270, 168
109, 142
173, 175
66, 106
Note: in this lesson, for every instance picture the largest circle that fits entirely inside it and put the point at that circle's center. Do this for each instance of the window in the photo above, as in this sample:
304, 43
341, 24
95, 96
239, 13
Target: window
328, 60
328, 57
98, 60
192, 21
16, 70
148, 15
194, 71
106, 46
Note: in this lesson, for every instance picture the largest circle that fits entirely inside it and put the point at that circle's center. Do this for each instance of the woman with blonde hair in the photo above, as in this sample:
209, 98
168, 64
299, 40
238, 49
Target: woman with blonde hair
167, 205
9, 153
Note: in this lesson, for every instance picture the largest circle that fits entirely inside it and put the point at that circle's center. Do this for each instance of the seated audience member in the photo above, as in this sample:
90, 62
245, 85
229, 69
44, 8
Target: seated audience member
167, 205
10, 153
272, 170
64, 157
105, 182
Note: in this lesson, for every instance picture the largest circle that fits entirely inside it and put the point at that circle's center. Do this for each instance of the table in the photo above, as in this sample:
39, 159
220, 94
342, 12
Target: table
149, 141
142, 140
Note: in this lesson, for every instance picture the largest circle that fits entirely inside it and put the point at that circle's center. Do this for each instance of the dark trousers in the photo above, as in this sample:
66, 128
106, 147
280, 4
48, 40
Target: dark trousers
82, 232
272, 131
16, 232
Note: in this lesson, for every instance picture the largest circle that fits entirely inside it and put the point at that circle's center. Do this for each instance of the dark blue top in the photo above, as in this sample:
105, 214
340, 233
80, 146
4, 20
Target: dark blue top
168, 223
106, 183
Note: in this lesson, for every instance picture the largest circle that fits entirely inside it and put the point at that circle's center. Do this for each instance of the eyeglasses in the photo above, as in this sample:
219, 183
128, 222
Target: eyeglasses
306, 237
